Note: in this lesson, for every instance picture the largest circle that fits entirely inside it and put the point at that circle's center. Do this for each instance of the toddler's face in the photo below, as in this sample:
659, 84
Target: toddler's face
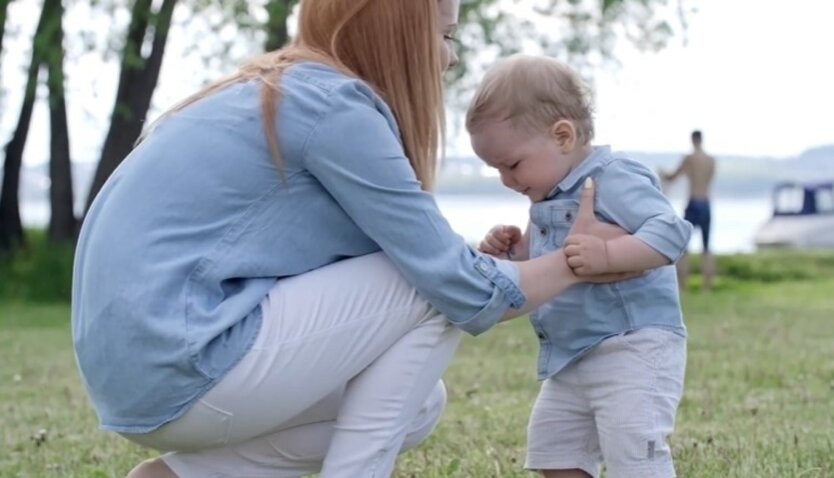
530, 163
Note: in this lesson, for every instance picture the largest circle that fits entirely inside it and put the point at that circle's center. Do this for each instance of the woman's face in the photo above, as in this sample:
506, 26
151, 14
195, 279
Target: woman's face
448, 22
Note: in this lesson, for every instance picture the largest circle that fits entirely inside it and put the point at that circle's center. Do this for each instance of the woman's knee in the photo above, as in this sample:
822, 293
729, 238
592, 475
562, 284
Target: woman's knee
428, 418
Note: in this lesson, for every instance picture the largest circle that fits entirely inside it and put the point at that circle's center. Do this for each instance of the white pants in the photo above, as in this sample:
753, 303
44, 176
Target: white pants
344, 375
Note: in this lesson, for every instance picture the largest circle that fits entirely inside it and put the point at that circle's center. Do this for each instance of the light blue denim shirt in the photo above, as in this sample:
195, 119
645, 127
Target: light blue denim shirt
196, 226
627, 194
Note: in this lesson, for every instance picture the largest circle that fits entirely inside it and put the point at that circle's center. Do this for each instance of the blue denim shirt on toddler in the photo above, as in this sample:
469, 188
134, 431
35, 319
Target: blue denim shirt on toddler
628, 194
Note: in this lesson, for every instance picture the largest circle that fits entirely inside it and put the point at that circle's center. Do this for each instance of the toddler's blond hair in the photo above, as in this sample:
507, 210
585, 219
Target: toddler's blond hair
533, 93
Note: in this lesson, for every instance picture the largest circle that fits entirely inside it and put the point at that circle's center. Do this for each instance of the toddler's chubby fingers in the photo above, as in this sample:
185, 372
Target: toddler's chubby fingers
576, 240
576, 262
583, 271
486, 248
503, 237
497, 243
573, 250
512, 233
506, 237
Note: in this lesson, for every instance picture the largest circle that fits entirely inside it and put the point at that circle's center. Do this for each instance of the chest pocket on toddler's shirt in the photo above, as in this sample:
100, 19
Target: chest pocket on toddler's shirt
553, 221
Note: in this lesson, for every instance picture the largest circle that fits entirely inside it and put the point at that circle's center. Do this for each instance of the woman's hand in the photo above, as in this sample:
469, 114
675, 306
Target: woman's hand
585, 247
586, 221
546, 276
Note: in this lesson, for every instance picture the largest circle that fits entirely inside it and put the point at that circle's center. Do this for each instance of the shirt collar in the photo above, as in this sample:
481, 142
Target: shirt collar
581, 171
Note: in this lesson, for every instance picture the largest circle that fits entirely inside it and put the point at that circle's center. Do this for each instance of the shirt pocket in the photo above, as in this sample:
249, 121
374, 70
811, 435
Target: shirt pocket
561, 216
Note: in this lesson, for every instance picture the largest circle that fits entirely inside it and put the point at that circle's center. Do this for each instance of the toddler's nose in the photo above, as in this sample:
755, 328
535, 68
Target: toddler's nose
508, 181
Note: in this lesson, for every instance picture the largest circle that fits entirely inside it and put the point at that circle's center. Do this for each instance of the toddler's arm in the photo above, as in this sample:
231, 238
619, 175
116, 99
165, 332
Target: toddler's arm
629, 195
590, 255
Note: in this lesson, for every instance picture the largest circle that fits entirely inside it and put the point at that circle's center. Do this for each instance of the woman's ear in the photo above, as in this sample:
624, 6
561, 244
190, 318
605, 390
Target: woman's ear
564, 133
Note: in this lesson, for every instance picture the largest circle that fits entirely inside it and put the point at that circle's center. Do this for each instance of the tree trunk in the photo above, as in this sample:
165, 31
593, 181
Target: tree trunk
137, 82
276, 24
62, 224
11, 227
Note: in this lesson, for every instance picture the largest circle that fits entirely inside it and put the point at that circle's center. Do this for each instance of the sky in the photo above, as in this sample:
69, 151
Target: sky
751, 75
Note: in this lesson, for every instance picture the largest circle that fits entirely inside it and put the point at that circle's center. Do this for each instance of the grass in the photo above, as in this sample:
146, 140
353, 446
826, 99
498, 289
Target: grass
759, 398
37, 272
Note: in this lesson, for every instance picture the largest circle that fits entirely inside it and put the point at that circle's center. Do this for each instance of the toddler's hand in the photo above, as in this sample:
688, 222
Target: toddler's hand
500, 240
587, 255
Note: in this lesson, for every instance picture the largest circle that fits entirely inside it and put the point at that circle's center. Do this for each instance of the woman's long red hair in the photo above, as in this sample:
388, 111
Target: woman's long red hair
393, 45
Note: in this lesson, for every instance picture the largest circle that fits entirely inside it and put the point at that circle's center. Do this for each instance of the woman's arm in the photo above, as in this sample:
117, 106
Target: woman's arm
549, 275
540, 280
355, 153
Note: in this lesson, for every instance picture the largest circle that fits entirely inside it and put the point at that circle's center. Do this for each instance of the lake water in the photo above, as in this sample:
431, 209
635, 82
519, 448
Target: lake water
734, 220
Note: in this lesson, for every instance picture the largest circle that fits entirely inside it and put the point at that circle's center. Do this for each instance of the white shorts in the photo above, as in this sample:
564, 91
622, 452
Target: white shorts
616, 405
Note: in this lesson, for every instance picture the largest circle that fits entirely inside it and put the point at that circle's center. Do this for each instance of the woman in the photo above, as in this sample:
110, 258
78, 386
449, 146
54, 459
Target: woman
265, 287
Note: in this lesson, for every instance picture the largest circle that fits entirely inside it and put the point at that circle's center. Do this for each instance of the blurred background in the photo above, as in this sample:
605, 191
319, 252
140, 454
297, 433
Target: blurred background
759, 90
80, 79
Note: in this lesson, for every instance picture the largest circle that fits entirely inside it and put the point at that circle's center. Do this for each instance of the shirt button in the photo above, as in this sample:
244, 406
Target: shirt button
541, 335
483, 267
569, 217
543, 231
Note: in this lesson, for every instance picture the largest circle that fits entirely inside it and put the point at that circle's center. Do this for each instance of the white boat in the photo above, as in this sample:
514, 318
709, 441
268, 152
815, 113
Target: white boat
803, 217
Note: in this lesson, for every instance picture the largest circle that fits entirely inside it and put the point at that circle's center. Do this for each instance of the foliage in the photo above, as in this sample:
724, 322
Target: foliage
37, 272
42, 272
767, 267
583, 33
577, 30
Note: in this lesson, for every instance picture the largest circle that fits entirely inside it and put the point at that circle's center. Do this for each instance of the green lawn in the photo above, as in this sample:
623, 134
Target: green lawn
759, 398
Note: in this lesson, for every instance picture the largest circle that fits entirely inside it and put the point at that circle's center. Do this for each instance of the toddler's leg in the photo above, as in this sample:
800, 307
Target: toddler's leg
561, 436
635, 382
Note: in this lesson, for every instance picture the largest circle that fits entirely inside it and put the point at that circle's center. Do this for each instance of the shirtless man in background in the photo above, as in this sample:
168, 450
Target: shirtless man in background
699, 169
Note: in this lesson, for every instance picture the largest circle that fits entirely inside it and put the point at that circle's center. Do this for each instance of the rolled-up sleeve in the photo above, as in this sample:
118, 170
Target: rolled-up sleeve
355, 153
629, 194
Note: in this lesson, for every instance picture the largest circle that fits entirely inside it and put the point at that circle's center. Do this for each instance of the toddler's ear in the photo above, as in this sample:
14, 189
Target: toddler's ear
565, 134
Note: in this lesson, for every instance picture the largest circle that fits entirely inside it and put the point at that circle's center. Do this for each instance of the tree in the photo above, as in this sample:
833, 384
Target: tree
140, 73
590, 27
47, 51
277, 31
11, 227
141, 61
62, 222
581, 32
